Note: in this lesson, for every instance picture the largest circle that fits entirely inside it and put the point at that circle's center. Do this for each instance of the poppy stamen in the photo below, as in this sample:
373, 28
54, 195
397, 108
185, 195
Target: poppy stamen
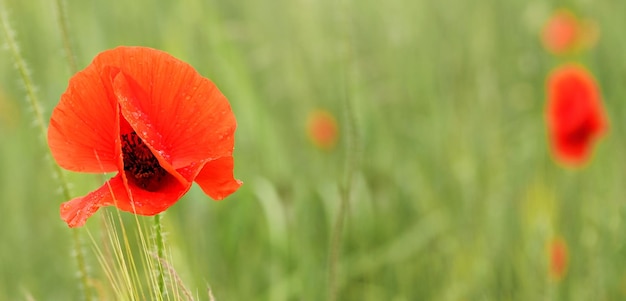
139, 162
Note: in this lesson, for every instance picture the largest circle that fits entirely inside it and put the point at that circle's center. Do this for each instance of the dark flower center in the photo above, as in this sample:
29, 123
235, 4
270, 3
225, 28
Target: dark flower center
581, 134
140, 164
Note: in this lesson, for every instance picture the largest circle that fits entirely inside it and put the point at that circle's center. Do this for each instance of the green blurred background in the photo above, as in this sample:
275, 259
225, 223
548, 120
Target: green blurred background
454, 193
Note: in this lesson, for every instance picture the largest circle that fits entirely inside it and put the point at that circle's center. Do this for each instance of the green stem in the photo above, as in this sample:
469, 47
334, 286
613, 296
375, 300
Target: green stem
20, 65
160, 251
64, 28
351, 162
335, 247
346, 192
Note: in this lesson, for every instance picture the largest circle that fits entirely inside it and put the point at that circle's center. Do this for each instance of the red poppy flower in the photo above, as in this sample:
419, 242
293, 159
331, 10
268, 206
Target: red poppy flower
558, 258
322, 129
565, 33
560, 33
574, 113
152, 119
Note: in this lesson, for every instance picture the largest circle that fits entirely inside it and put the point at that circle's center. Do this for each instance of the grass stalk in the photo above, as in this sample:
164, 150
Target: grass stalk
31, 96
65, 36
340, 219
351, 162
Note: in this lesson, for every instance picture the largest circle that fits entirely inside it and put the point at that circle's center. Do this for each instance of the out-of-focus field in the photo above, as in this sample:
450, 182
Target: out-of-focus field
455, 194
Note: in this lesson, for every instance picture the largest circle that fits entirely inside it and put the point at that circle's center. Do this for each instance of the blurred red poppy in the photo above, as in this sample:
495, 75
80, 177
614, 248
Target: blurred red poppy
322, 129
152, 119
574, 113
558, 258
566, 33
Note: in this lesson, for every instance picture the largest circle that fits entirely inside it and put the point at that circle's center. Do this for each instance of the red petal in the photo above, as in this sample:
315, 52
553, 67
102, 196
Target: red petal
573, 97
574, 146
216, 178
82, 128
322, 129
153, 202
562, 32
558, 258
192, 117
127, 92
76, 211
575, 116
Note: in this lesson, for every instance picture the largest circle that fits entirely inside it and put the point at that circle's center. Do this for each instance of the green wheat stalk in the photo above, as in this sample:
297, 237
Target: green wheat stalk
160, 246
129, 277
20, 65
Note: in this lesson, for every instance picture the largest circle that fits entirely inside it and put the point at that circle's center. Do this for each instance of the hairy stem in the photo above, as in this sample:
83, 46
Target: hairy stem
160, 245
40, 123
